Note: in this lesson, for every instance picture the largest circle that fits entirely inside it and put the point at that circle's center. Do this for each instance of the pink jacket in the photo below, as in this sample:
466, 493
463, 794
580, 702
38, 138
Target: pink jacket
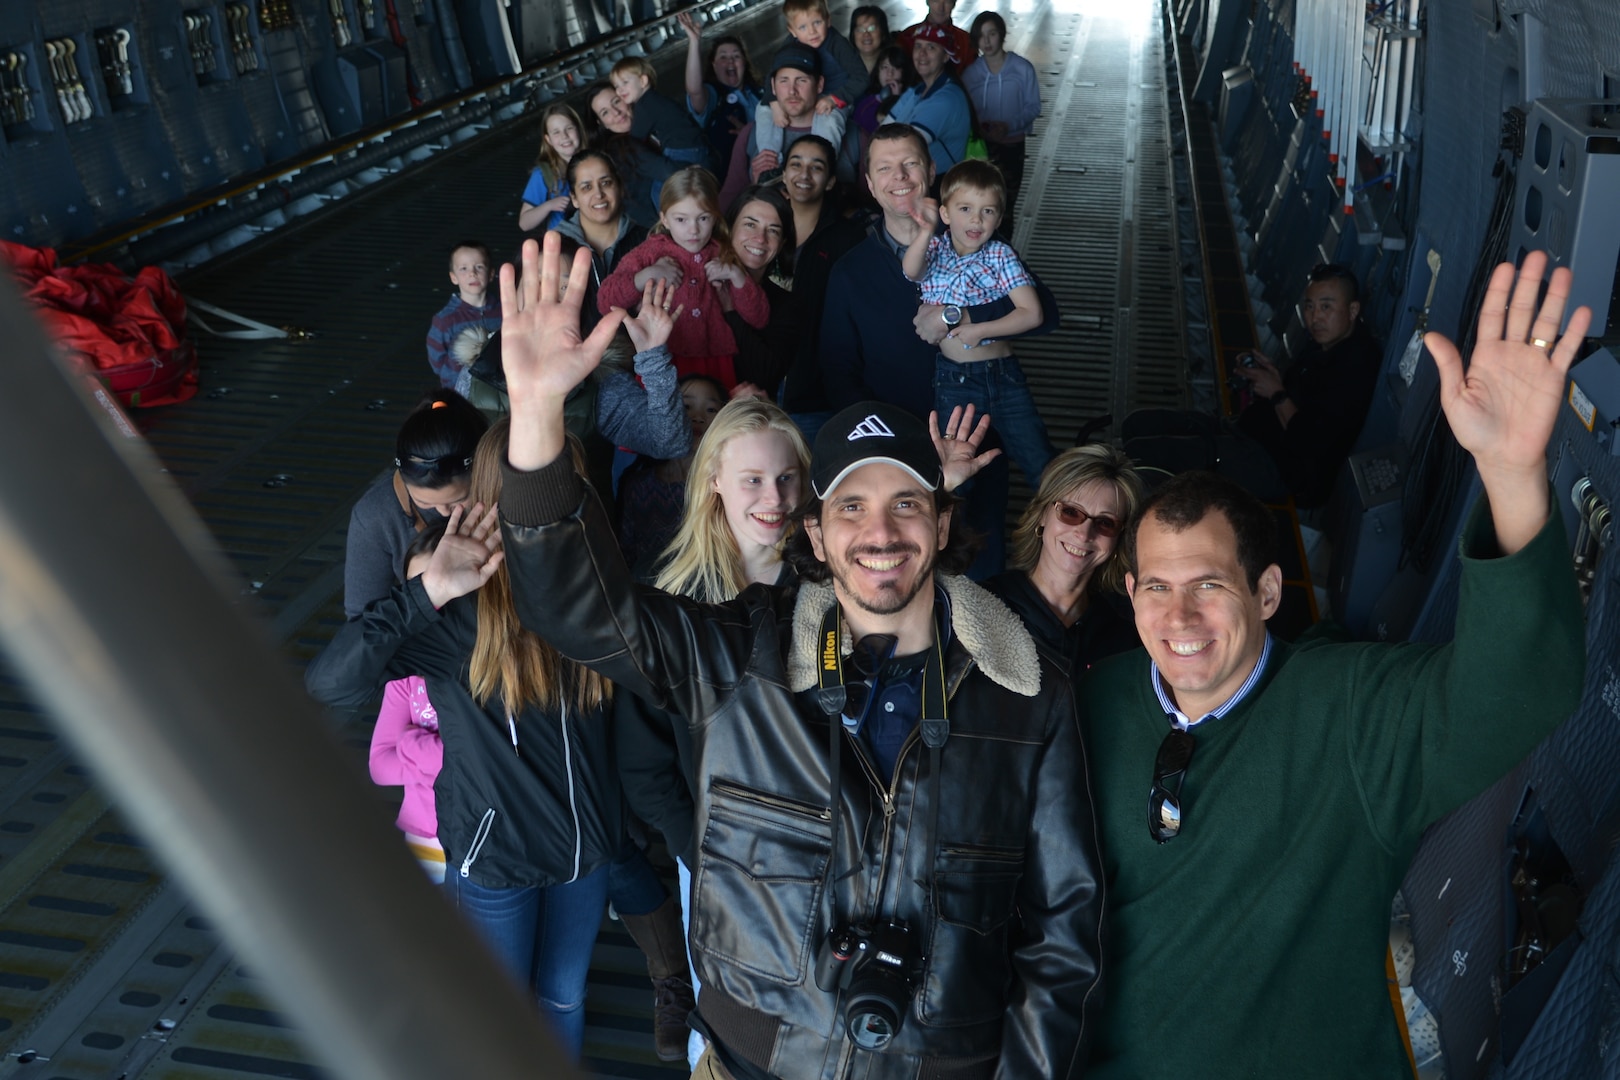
405, 749
701, 331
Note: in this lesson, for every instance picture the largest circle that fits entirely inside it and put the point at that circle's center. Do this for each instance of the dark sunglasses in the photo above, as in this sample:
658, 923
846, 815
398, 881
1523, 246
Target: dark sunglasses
1073, 516
1164, 801
860, 670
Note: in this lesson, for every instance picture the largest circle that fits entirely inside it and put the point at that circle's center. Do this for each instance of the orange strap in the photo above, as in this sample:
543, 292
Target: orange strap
407, 507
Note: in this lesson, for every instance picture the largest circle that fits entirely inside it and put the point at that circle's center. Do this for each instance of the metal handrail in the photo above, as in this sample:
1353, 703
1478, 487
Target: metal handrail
115, 606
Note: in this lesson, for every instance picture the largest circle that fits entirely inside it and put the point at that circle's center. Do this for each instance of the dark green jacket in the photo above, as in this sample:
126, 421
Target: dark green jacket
1252, 945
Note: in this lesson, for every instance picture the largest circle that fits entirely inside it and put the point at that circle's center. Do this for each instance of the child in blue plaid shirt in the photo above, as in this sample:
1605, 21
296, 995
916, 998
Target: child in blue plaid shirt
966, 266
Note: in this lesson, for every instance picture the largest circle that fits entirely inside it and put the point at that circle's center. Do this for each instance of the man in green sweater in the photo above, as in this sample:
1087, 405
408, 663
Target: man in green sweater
1260, 802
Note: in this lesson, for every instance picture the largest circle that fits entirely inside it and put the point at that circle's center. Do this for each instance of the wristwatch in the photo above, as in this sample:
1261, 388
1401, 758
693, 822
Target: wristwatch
952, 314
1279, 397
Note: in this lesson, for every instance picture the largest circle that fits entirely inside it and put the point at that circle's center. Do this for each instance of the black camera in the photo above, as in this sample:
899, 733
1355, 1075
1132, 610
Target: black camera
877, 968
1236, 382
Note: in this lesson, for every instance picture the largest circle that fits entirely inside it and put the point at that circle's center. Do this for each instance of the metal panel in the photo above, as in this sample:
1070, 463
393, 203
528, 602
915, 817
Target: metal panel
1564, 201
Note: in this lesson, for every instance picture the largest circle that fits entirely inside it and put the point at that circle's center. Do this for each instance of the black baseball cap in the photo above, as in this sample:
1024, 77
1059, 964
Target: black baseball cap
873, 432
795, 55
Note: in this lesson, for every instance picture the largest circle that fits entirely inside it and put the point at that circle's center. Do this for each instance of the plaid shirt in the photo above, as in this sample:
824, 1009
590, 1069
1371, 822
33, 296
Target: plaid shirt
976, 278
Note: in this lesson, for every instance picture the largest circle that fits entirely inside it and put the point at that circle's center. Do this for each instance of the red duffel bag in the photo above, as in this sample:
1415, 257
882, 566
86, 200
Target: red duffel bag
128, 332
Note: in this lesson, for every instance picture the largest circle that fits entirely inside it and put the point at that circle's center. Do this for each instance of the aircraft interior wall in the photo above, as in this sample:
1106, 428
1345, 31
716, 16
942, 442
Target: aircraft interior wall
115, 115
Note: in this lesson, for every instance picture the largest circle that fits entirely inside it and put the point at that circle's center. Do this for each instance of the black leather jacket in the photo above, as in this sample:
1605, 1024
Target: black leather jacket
1011, 930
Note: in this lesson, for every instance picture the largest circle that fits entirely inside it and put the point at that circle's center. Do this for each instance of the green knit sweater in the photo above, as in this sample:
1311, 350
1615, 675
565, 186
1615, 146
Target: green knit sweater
1252, 945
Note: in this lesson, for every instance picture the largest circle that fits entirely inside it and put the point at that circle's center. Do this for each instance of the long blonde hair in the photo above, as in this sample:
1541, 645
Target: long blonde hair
1068, 472
703, 560
507, 659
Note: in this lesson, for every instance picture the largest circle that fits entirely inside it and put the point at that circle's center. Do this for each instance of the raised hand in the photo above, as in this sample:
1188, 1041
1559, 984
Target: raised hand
958, 446
925, 212
690, 25
655, 319
1503, 407
541, 348
467, 555
748, 390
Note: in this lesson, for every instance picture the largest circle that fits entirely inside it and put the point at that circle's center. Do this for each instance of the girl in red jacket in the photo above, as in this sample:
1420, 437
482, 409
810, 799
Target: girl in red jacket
691, 250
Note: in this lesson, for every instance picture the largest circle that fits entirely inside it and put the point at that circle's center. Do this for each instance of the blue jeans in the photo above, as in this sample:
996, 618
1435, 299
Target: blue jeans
633, 884
544, 937
997, 387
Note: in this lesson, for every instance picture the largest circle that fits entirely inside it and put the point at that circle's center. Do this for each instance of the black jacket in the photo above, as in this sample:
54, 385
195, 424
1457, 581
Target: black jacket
530, 802
1108, 625
655, 762
1332, 389
1015, 822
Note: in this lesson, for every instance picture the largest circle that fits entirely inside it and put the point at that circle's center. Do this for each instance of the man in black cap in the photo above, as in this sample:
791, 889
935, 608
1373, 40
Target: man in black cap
796, 81
897, 874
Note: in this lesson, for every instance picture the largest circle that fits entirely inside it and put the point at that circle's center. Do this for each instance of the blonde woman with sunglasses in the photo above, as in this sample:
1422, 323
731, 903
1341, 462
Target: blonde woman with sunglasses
1067, 579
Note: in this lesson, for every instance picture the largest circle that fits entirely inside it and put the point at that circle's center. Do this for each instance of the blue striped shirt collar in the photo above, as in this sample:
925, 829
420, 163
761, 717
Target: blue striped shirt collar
1182, 721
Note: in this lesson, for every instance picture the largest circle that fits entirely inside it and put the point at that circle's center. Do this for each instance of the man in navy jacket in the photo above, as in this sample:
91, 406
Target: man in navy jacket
879, 341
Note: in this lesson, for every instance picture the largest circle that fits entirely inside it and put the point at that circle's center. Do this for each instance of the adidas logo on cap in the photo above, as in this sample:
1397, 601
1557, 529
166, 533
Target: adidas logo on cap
871, 427
841, 447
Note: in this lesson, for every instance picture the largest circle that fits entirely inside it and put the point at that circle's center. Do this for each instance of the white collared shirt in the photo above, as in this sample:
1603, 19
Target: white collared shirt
1182, 721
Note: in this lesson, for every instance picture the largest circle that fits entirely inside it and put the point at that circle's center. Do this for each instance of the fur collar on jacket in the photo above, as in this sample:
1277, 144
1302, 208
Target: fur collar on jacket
985, 627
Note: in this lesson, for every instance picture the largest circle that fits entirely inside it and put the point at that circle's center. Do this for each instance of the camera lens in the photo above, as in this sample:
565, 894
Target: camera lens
872, 1023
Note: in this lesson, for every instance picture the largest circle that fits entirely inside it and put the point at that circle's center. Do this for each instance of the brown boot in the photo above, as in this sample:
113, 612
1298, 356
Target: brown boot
660, 937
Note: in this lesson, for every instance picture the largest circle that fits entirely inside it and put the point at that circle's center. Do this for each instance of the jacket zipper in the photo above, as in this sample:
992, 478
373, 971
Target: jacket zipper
478, 841
890, 791
984, 854
568, 764
775, 802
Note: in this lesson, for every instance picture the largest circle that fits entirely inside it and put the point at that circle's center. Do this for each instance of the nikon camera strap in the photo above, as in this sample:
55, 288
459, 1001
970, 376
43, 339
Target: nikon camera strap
934, 725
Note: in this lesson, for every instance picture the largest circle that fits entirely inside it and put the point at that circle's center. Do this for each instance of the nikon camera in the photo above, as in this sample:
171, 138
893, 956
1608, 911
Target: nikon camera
877, 968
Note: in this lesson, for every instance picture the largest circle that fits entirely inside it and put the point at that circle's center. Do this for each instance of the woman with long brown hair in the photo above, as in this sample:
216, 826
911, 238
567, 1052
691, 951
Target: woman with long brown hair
528, 797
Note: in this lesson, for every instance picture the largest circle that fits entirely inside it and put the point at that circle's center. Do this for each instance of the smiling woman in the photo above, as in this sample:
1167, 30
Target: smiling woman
598, 222
1069, 576
762, 237
641, 168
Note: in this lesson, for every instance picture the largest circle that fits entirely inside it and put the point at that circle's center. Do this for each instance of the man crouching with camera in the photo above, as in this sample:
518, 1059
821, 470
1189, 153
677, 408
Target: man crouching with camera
897, 871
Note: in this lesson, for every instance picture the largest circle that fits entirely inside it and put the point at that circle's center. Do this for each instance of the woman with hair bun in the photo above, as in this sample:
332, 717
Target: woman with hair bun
433, 456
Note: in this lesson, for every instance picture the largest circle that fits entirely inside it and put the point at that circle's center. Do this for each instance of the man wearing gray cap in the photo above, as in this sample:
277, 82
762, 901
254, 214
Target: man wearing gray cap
796, 82
897, 873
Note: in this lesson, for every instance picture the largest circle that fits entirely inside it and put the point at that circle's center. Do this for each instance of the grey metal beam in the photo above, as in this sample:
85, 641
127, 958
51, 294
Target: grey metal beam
115, 605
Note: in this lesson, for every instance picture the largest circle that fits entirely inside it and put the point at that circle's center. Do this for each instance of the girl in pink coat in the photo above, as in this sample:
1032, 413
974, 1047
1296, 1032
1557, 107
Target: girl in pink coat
691, 250
405, 746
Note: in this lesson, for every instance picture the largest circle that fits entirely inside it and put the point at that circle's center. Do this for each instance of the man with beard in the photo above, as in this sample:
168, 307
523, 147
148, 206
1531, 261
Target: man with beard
796, 82
887, 767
